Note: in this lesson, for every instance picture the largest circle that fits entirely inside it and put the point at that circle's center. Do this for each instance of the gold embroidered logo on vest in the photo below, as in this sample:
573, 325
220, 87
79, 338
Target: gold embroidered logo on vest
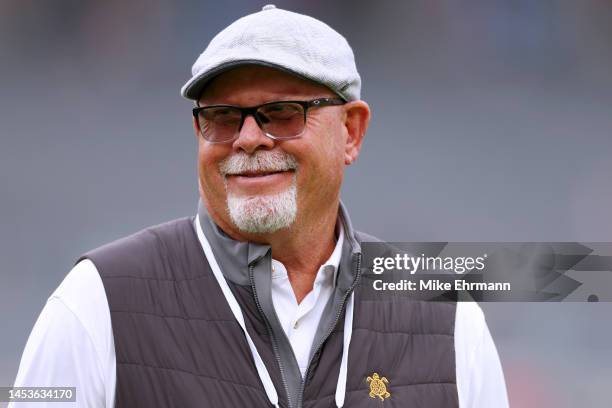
378, 387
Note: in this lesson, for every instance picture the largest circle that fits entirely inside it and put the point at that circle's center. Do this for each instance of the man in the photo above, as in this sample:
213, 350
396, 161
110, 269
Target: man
255, 302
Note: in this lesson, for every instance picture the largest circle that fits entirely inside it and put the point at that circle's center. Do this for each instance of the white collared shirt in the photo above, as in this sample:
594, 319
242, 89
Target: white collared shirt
300, 321
72, 344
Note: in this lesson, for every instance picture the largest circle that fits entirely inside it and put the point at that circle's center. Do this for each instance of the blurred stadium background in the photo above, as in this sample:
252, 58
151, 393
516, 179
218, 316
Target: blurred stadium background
491, 122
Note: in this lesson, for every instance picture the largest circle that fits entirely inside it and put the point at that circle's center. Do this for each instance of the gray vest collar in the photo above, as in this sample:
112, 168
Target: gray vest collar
234, 257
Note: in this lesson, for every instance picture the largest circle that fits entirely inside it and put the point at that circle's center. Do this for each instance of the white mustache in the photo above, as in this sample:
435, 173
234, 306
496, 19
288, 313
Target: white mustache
260, 161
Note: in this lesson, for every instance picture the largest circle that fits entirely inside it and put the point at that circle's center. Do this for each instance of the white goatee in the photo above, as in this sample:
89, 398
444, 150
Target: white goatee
261, 213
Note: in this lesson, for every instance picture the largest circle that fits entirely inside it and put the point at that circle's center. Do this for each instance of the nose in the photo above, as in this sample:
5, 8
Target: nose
251, 137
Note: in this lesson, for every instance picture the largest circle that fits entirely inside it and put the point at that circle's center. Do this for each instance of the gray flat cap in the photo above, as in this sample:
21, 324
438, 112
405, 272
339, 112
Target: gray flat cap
298, 44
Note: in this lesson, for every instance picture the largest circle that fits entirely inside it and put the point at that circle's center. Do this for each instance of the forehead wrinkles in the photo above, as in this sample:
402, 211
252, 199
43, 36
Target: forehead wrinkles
247, 97
256, 85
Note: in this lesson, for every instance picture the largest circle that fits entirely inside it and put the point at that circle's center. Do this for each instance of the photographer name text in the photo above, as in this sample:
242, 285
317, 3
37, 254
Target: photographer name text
439, 285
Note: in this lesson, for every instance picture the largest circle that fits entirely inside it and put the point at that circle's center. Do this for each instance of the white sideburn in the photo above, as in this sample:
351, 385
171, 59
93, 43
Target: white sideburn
262, 371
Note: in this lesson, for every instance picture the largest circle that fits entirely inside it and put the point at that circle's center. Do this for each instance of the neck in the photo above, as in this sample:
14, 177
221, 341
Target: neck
301, 248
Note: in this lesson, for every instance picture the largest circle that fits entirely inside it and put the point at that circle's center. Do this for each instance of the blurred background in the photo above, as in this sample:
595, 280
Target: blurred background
491, 122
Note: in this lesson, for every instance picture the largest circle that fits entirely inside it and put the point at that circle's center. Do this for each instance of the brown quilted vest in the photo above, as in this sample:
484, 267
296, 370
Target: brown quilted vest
178, 345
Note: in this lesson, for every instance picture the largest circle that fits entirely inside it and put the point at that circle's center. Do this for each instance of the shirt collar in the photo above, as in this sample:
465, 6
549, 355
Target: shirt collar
236, 256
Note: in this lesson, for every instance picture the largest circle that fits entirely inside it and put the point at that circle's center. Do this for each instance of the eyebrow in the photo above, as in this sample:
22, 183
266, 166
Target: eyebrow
283, 98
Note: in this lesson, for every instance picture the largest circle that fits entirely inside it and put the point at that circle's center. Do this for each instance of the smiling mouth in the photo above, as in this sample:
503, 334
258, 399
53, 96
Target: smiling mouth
253, 174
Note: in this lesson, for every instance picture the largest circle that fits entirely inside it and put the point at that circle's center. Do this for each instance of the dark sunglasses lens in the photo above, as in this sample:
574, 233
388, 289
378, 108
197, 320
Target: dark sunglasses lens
282, 120
219, 124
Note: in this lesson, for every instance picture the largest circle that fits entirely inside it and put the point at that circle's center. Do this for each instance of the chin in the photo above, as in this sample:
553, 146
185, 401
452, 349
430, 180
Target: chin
263, 214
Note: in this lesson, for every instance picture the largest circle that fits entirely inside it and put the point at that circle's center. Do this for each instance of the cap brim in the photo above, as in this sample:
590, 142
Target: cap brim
195, 86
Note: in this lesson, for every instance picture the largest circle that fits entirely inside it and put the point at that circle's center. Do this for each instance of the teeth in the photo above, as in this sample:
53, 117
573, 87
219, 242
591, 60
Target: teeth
258, 174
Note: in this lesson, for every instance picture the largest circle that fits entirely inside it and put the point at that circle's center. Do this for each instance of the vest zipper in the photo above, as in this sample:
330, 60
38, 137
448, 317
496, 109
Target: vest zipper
324, 338
269, 327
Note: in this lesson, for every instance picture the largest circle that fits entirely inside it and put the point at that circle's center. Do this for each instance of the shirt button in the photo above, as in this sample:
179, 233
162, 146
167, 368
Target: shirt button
295, 324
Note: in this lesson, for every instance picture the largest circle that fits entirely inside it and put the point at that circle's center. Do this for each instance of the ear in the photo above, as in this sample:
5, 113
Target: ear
356, 123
